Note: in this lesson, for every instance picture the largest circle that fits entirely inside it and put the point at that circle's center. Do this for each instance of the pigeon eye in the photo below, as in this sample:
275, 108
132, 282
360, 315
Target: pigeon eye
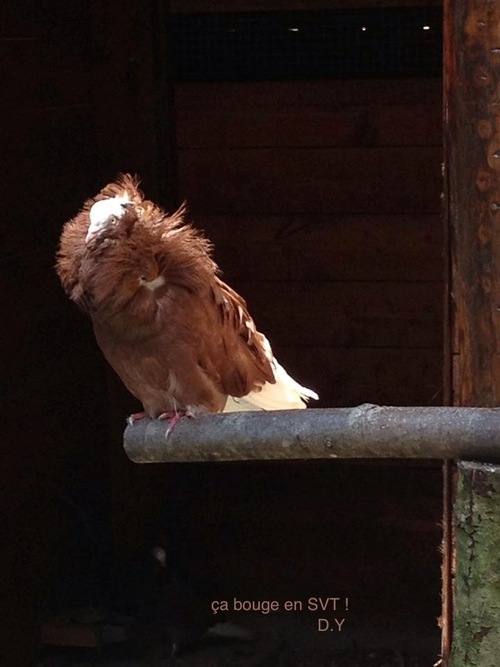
112, 219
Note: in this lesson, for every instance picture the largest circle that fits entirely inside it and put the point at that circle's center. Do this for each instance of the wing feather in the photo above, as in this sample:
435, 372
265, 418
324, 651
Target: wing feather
246, 350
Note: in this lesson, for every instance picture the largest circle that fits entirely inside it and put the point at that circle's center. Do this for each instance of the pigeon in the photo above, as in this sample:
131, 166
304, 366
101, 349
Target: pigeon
181, 340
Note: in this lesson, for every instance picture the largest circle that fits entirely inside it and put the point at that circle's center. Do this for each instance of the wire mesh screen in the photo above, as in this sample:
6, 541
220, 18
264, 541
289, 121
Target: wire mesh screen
395, 42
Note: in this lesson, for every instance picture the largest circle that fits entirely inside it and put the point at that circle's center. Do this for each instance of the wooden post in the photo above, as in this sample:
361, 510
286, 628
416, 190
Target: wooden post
476, 638
472, 210
472, 171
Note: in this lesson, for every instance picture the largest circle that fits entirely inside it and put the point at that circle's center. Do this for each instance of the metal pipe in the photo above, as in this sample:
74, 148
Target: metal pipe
366, 431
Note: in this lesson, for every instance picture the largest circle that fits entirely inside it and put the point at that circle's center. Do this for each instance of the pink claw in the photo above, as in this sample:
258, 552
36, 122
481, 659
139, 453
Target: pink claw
136, 416
175, 416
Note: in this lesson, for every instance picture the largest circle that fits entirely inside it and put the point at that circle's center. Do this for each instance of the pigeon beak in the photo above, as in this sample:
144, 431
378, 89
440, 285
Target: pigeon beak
91, 234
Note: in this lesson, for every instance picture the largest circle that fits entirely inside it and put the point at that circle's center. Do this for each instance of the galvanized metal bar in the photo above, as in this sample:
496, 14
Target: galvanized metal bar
366, 431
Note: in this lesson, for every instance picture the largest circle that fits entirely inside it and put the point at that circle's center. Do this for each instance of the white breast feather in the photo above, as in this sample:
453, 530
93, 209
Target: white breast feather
159, 281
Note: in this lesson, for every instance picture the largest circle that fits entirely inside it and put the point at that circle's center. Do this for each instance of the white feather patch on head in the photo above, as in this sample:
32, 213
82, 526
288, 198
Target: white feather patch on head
153, 284
105, 212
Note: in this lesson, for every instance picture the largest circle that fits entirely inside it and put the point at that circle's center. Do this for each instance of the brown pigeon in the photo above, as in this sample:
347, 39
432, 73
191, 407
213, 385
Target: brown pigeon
181, 340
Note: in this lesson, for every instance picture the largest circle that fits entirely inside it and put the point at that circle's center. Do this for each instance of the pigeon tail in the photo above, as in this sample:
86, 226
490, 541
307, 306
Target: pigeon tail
284, 394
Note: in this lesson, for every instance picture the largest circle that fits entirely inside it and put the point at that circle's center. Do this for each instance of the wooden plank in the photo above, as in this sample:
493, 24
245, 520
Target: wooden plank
345, 377
266, 544
312, 180
290, 95
195, 6
294, 504
213, 115
348, 314
355, 126
327, 247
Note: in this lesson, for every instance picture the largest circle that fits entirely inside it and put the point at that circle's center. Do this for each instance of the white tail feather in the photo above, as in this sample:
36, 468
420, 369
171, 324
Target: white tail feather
285, 394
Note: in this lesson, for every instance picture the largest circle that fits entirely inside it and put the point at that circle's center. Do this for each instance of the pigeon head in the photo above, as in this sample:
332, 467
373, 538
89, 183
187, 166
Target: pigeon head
106, 215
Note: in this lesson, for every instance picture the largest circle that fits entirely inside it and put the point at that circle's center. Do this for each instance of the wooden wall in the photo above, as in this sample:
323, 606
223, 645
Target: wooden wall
323, 201
75, 111
50, 373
